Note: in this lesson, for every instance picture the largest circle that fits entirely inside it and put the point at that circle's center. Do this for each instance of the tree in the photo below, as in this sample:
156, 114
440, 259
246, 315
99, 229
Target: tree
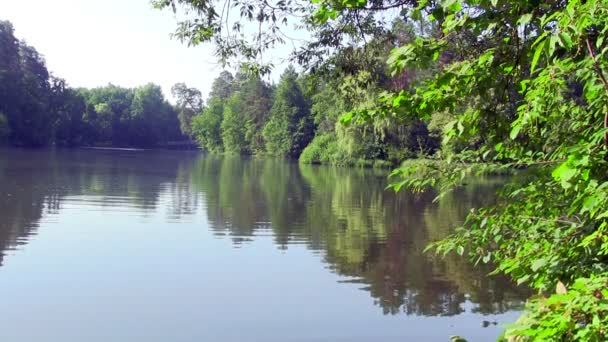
189, 104
108, 113
151, 117
233, 130
206, 127
530, 89
222, 86
10, 72
67, 109
256, 97
30, 123
290, 127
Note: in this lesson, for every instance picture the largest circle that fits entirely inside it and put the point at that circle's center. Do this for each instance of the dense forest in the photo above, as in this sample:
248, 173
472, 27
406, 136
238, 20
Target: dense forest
39, 109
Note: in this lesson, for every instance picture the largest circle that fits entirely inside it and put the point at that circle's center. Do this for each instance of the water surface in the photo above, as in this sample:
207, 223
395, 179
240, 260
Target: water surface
179, 246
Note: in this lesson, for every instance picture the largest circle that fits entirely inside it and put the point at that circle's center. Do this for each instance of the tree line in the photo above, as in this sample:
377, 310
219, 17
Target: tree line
39, 109
298, 117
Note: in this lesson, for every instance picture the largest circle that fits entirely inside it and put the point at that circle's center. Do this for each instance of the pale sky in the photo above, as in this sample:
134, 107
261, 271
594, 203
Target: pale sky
92, 43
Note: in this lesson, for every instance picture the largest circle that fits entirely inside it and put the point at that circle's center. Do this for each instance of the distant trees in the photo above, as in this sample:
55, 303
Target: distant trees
189, 104
69, 126
299, 117
37, 109
290, 127
256, 96
237, 110
243, 114
206, 127
24, 90
233, 128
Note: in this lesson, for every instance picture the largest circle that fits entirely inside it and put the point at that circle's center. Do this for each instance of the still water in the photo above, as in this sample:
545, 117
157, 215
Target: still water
179, 246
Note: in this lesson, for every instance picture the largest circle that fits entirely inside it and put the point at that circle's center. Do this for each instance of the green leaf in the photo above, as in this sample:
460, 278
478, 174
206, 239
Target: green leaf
537, 53
552, 42
537, 264
523, 279
524, 19
564, 173
565, 39
515, 131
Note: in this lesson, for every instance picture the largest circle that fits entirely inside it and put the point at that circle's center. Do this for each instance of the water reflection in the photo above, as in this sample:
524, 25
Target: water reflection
369, 236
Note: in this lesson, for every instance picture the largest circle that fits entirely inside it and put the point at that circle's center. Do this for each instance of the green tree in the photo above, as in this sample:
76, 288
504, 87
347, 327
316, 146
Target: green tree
68, 109
108, 113
531, 93
233, 129
153, 119
256, 96
222, 86
189, 104
206, 127
290, 127
31, 122
10, 72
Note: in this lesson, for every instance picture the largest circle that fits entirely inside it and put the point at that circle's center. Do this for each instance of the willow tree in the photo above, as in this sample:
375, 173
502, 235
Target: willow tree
526, 82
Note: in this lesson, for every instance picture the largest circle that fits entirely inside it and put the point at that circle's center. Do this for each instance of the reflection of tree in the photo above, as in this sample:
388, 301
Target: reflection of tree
37, 183
373, 236
232, 195
242, 196
378, 237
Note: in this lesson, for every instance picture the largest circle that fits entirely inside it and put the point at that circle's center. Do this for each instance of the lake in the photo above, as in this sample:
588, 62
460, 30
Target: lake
181, 246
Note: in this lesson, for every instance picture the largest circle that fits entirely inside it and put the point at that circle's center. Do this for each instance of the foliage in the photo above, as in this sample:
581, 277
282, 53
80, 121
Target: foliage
69, 127
189, 104
40, 109
257, 99
533, 95
290, 127
233, 130
206, 126
238, 108
321, 150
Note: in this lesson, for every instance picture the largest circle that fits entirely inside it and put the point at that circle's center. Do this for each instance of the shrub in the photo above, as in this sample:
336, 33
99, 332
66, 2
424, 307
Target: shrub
322, 150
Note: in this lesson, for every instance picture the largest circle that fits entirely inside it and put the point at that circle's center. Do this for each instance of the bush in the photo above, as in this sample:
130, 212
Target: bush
323, 149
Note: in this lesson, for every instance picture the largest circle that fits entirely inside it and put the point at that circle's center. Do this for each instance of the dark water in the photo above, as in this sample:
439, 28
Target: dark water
175, 246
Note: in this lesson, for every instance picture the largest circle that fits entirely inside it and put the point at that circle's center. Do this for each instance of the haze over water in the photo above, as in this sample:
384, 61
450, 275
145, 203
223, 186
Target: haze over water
182, 246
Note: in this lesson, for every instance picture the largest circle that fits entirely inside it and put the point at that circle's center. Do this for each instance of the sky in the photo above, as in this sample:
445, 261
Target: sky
91, 43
